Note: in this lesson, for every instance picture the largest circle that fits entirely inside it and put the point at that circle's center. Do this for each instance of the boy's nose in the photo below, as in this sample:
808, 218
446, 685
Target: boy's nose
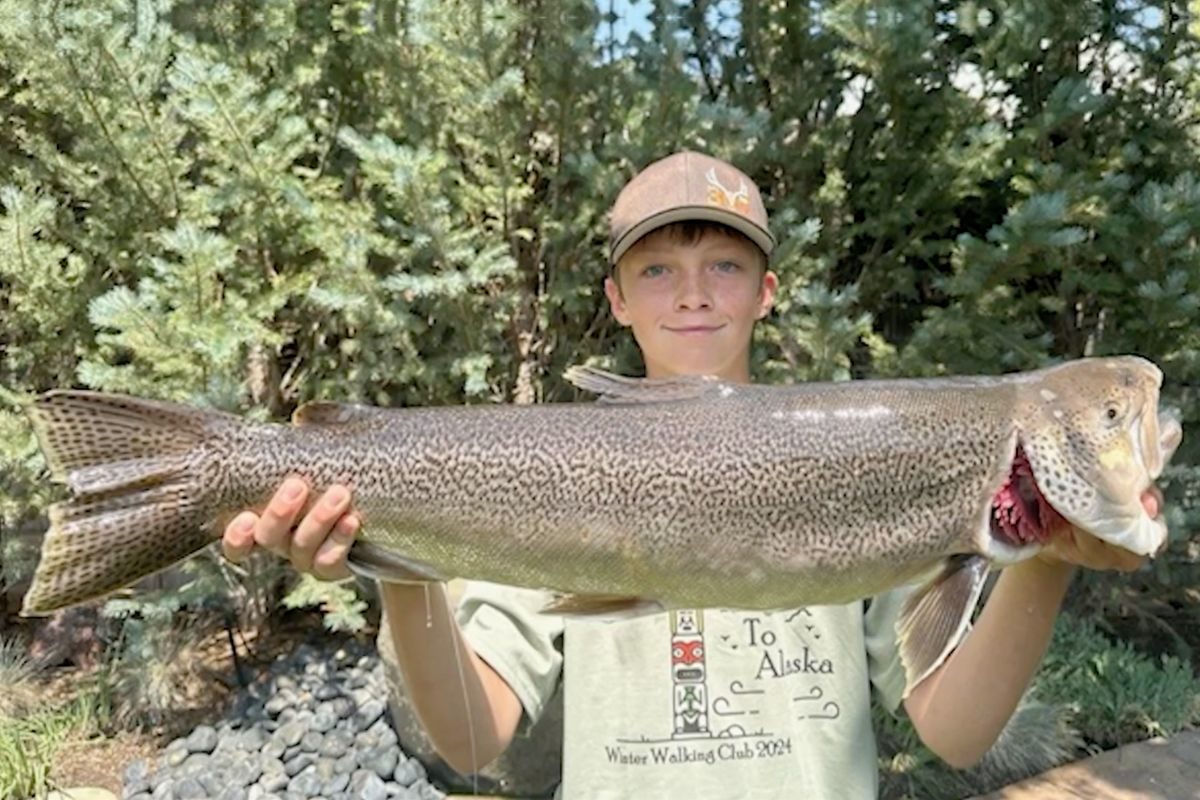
692, 293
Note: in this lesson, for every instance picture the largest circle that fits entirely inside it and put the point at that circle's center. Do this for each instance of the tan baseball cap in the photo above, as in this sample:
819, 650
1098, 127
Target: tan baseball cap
687, 186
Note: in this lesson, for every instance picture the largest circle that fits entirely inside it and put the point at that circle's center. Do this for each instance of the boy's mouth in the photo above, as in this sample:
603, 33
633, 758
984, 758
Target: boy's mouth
693, 330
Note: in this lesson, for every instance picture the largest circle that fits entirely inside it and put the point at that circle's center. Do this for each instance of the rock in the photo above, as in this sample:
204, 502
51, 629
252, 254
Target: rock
81, 793
367, 785
307, 783
298, 764
276, 705
386, 737
368, 713
190, 789
274, 748
408, 772
252, 740
136, 772
202, 740
164, 791
245, 771
336, 744
326, 691
311, 742
232, 793
138, 796
343, 707
195, 765
323, 721
335, 784
347, 763
381, 761
274, 781
424, 790
174, 756
291, 733
325, 768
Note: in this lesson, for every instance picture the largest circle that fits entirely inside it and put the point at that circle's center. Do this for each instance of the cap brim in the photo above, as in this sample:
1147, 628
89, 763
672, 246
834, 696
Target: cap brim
759, 236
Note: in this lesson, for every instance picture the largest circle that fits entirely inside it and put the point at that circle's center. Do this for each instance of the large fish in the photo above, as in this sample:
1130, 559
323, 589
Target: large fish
687, 492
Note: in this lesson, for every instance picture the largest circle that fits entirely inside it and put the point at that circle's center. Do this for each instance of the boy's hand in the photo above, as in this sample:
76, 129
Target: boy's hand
318, 545
1074, 546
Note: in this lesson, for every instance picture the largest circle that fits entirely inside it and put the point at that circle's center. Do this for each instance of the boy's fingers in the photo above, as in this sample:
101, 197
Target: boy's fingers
316, 526
238, 539
275, 525
330, 560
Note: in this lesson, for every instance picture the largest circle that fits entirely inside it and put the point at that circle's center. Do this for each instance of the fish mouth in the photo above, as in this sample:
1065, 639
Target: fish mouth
1020, 514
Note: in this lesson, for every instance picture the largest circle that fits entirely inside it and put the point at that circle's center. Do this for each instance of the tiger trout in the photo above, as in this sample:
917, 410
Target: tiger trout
680, 492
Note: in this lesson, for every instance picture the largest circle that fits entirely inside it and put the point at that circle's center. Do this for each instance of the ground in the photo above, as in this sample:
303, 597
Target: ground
100, 760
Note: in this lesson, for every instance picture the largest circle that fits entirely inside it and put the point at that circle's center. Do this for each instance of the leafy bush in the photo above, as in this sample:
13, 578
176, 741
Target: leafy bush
1090, 693
1116, 694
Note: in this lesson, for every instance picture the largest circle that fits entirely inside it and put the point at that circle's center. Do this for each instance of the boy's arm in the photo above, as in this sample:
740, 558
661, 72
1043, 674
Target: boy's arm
429, 648
428, 642
962, 707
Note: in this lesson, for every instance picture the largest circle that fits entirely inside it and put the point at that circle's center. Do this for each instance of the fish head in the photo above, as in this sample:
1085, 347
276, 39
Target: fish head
1096, 441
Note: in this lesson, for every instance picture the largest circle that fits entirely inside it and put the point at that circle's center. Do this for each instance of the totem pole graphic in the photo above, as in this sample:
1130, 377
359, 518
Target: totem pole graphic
688, 674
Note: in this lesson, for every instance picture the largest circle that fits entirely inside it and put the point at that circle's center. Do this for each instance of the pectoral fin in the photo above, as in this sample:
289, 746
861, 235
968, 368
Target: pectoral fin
369, 560
602, 605
936, 616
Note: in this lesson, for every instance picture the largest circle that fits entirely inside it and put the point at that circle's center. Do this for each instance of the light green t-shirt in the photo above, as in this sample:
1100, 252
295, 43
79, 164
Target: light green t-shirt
704, 703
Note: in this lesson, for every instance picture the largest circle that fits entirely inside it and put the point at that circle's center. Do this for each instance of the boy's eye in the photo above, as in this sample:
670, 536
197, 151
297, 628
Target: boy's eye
727, 266
653, 271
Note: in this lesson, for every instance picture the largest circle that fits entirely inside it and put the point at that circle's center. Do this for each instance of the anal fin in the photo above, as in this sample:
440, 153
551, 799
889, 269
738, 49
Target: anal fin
368, 560
615, 606
936, 616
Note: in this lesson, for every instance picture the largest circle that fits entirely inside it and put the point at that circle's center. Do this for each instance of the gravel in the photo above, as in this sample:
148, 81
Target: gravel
315, 727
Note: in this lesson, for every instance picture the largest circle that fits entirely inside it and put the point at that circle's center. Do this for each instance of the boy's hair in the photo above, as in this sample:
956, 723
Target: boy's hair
690, 231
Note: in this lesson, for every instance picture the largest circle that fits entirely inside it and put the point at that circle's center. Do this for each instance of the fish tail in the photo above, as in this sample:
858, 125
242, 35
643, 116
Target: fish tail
137, 502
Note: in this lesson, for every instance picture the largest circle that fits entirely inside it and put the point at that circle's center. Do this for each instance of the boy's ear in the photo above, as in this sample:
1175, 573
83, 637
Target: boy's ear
616, 301
766, 298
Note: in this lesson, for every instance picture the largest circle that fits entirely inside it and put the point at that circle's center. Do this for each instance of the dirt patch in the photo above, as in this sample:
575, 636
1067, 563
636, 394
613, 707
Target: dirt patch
101, 761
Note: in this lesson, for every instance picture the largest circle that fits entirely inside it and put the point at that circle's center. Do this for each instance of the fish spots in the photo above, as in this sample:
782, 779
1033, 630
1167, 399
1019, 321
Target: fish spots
1058, 414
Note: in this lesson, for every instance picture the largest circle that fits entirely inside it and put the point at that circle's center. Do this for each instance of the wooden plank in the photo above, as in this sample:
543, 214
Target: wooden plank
1158, 769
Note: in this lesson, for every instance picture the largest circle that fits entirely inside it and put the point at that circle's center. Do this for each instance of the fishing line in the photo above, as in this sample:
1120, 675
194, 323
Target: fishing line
458, 643
428, 609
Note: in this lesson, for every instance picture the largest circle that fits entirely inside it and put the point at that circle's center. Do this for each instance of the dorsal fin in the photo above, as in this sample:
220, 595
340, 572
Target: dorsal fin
613, 388
325, 412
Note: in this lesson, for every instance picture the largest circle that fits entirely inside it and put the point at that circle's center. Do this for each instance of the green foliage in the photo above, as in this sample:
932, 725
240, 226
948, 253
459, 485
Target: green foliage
250, 205
1038, 737
17, 674
1091, 692
340, 604
29, 743
1117, 695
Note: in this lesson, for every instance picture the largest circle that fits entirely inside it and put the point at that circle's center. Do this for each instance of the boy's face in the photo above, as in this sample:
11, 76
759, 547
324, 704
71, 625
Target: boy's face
692, 307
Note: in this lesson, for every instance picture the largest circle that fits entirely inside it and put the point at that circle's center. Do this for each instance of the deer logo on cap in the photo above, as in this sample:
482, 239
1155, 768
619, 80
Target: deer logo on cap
719, 195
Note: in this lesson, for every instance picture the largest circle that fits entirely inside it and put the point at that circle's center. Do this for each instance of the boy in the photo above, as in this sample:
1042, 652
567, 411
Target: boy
699, 703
